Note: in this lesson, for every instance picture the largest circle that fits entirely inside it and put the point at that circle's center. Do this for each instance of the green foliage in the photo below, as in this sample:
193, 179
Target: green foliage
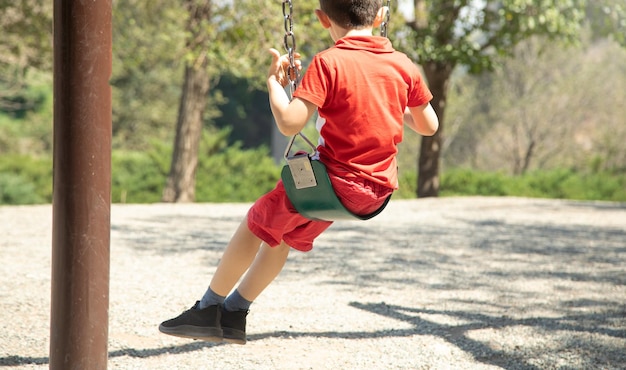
229, 174
586, 186
559, 183
472, 33
135, 178
151, 46
224, 173
608, 19
25, 180
31, 97
18, 190
543, 184
26, 44
531, 114
232, 174
27, 128
245, 110
474, 183
146, 80
235, 175
407, 182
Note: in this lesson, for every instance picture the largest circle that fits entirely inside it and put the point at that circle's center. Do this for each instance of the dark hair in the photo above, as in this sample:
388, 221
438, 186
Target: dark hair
351, 14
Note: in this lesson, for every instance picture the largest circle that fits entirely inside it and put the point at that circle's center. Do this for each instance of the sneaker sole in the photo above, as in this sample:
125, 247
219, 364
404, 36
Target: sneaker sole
194, 332
234, 336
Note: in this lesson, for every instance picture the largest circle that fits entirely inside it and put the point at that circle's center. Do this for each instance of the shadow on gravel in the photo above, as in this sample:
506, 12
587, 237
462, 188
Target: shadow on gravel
184, 234
462, 254
457, 335
19, 360
126, 352
367, 255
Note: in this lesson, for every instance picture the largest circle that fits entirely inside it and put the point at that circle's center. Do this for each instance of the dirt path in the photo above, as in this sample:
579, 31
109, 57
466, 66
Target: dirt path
450, 283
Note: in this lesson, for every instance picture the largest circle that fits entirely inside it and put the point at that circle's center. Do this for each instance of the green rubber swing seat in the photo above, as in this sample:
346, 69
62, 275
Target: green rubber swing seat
318, 200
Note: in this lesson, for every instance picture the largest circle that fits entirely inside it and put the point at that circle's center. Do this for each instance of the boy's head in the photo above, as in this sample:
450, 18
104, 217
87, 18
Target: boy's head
351, 14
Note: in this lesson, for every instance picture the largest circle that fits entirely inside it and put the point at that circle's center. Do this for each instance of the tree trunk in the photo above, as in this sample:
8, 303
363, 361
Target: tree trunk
181, 181
438, 77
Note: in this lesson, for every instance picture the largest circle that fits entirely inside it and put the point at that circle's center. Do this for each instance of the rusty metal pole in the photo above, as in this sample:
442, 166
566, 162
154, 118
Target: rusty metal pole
82, 185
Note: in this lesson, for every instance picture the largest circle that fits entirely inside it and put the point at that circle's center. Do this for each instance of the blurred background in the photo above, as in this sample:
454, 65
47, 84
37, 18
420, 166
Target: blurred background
530, 93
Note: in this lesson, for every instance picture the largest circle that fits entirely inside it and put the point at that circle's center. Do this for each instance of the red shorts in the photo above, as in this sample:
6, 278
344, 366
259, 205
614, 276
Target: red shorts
273, 218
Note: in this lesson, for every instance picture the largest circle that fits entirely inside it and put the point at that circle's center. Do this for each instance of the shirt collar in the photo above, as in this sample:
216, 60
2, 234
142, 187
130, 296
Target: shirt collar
377, 44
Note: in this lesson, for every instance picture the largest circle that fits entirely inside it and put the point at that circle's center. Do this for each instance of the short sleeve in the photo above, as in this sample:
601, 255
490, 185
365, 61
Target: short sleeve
419, 94
315, 83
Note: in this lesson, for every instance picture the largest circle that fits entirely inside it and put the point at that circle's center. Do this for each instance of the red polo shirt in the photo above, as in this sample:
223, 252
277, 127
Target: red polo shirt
361, 87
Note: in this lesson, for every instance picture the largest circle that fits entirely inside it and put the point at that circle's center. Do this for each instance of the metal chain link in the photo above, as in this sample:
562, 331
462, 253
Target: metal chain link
289, 43
385, 23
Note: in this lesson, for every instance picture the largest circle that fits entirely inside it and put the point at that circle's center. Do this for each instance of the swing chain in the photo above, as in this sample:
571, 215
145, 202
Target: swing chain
293, 74
289, 43
385, 23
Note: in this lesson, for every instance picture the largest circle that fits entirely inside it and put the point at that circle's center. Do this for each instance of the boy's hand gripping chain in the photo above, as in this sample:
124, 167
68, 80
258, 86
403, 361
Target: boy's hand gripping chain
299, 164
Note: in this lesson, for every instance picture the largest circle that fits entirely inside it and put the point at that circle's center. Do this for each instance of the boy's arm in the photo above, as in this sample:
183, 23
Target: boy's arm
422, 119
290, 116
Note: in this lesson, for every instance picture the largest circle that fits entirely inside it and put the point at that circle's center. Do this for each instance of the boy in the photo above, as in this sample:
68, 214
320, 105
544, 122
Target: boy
363, 91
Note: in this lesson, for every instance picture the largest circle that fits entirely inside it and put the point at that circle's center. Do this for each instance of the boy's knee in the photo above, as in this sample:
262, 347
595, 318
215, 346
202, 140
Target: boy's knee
280, 248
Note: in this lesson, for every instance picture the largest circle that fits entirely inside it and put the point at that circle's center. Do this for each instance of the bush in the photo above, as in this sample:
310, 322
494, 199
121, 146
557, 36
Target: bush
231, 174
468, 182
596, 186
25, 180
559, 183
235, 175
224, 174
15, 189
548, 184
135, 178
407, 181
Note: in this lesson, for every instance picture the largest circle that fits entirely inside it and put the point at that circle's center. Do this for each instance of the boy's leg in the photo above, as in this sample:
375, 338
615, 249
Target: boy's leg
236, 259
266, 266
202, 321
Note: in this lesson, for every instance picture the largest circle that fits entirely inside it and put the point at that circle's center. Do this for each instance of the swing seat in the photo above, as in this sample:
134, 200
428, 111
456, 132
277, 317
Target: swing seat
319, 200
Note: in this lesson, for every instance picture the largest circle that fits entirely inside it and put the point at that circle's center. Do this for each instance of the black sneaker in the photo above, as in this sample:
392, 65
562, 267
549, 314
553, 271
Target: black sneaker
234, 326
194, 323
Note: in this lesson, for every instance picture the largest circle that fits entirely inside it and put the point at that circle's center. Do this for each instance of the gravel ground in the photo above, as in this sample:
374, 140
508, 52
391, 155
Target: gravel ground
448, 283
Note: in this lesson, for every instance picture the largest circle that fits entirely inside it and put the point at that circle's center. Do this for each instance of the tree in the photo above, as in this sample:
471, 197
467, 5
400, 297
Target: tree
26, 43
180, 186
147, 71
538, 100
444, 34
211, 30
608, 19
549, 107
26, 76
